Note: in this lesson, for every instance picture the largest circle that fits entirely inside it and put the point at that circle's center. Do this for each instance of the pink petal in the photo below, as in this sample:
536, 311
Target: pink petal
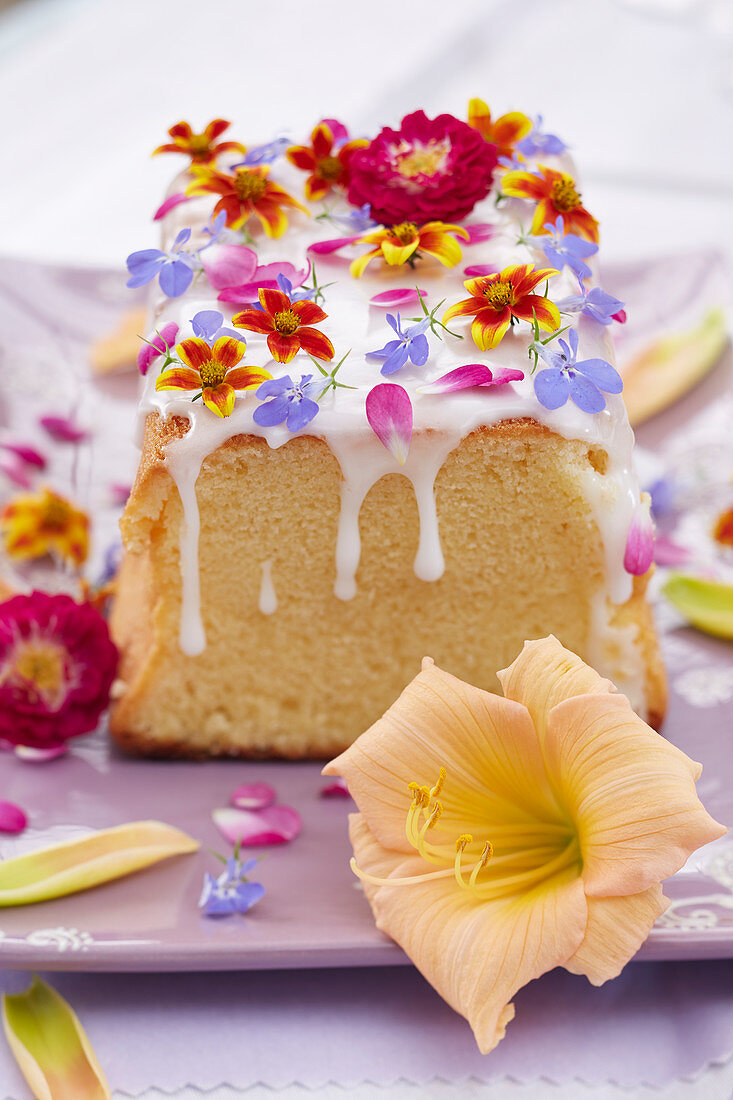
12, 818
640, 542
389, 412
339, 131
669, 553
169, 204
264, 278
480, 231
471, 375
336, 789
254, 828
119, 492
253, 796
323, 248
155, 347
400, 296
229, 265
41, 756
26, 454
15, 471
63, 429
620, 316
474, 271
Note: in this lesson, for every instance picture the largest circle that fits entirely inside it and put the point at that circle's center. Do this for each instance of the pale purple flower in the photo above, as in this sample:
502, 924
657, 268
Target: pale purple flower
515, 163
208, 325
264, 154
288, 401
389, 412
537, 143
565, 249
231, 892
173, 269
358, 220
639, 552
218, 232
298, 294
582, 381
161, 344
595, 303
412, 345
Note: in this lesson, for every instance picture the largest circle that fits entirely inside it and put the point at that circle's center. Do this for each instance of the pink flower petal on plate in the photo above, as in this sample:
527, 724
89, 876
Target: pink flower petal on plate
229, 265
264, 278
389, 412
639, 552
12, 818
119, 492
324, 248
40, 756
254, 828
400, 296
480, 231
171, 202
474, 271
15, 471
670, 553
253, 796
336, 789
63, 429
471, 375
620, 316
26, 454
160, 342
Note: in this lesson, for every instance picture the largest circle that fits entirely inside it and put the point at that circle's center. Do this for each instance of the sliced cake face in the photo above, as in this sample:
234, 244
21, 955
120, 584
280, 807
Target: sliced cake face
422, 449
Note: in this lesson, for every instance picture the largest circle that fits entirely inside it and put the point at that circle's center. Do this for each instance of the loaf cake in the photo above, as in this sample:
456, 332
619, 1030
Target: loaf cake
423, 449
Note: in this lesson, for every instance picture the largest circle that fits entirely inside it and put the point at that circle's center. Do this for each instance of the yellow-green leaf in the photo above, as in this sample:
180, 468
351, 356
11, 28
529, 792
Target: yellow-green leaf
669, 367
80, 864
708, 605
50, 1046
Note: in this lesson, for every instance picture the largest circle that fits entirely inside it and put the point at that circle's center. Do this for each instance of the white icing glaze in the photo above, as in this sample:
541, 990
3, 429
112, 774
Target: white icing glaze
268, 596
440, 421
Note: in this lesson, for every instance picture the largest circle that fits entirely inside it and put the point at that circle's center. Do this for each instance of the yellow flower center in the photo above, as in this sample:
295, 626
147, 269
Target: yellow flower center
212, 373
56, 514
404, 232
41, 665
249, 186
563, 194
330, 168
199, 144
286, 322
499, 295
422, 161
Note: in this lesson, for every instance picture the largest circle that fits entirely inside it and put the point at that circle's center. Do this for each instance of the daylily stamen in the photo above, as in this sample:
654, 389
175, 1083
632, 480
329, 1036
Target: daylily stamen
486, 855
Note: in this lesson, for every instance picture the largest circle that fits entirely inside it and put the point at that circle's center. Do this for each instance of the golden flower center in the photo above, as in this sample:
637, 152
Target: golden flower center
212, 373
404, 232
563, 194
249, 186
499, 295
41, 665
330, 168
56, 514
199, 144
286, 322
422, 161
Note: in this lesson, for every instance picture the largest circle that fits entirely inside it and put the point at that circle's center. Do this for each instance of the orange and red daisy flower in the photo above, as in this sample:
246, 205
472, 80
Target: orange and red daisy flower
287, 325
402, 243
213, 371
500, 299
555, 195
35, 524
202, 148
503, 132
244, 192
327, 167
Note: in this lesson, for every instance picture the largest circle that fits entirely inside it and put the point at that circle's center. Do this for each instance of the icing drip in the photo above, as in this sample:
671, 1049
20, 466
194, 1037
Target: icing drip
184, 466
268, 596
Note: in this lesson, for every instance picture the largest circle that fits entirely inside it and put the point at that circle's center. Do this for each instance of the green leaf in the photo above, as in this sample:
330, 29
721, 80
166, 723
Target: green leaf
708, 605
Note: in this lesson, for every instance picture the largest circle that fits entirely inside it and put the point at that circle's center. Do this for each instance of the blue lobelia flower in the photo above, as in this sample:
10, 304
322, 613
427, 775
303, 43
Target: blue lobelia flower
582, 381
297, 294
208, 325
264, 154
285, 400
218, 232
231, 892
595, 303
358, 220
538, 144
411, 344
565, 249
174, 268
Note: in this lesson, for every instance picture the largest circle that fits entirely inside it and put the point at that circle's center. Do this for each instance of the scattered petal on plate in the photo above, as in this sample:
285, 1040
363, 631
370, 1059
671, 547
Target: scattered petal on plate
324, 248
119, 492
26, 454
389, 412
708, 605
400, 296
473, 271
51, 1047
253, 796
668, 553
169, 204
88, 861
479, 231
15, 471
335, 789
63, 429
12, 818
620, 316
39, 756
469, 376
254, 828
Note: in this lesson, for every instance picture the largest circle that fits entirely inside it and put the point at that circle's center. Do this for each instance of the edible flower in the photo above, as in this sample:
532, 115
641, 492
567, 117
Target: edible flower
208, 325
326, 162
35, 524
498, 301
389, 413
63, 429
243, 193
556, 196
471, 376
57, 664
537, 143
212, 370
639, 552
706, 604
412, 345
267, 153
406, 242
231, 892
723, 527
160, 344
174, 269
595, 303
26, 453
563, 249
500, 837
582, 381
202, 148
12, 818
287, 324
277, 824
288, 401
427, 170
504, 132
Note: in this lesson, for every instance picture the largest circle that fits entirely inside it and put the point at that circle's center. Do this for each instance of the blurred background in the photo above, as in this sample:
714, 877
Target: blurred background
642, 90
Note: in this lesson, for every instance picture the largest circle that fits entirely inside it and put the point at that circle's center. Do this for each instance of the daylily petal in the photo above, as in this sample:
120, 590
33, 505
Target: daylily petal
51, 1047
89, 861
617, 927
389, 412
220, 399
253, 796
707, 604
255, 828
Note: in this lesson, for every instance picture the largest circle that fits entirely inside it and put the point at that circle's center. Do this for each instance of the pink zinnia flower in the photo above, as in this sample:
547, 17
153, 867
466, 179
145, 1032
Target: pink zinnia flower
429, 169
57, 663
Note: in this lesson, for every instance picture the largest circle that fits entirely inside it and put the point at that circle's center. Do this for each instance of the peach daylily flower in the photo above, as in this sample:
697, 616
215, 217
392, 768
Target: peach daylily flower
500, 837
